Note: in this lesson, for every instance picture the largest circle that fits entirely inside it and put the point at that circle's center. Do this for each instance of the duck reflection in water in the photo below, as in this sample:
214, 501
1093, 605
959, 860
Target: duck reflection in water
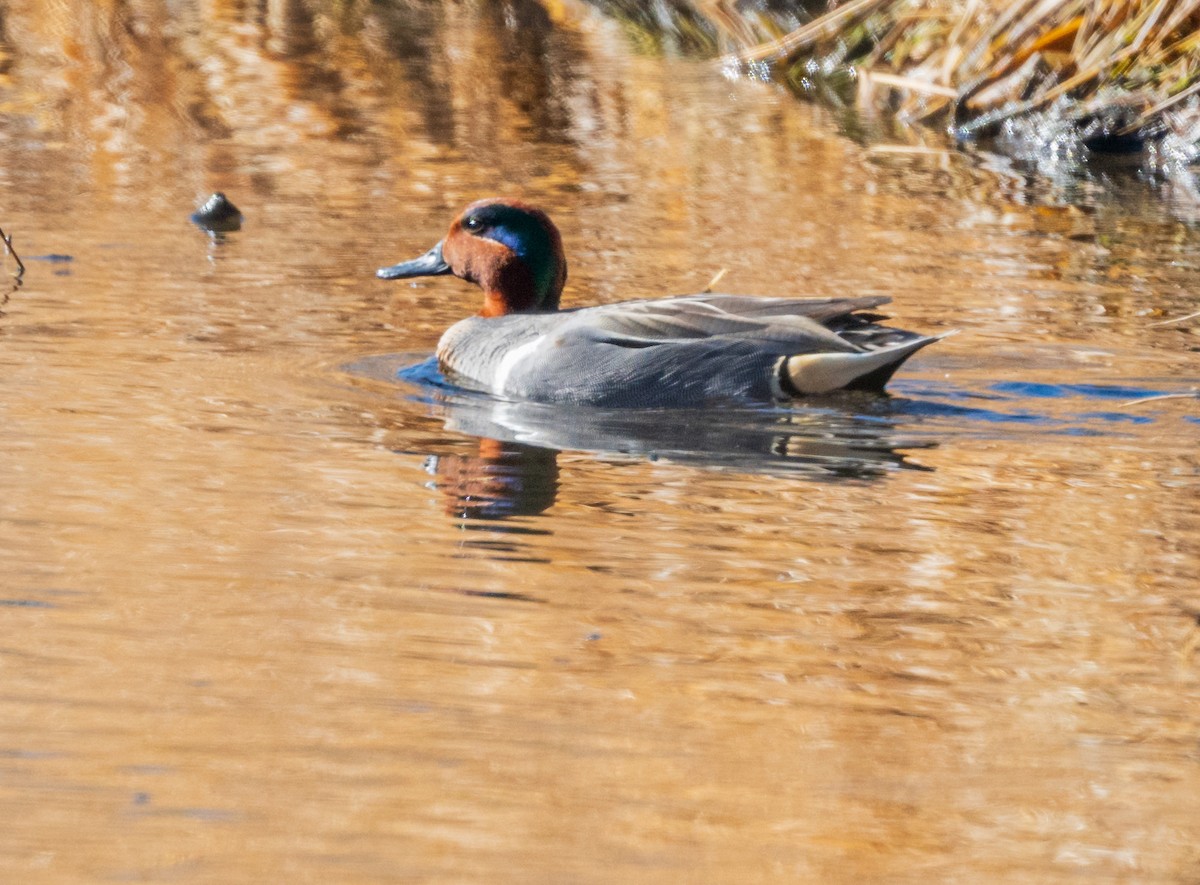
504, 479
515, 470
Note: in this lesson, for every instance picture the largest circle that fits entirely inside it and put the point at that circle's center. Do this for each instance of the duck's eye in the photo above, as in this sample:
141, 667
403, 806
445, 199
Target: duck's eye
472, 223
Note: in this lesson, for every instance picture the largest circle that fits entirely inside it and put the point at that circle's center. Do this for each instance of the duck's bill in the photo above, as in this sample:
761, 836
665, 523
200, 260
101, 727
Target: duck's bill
431, 264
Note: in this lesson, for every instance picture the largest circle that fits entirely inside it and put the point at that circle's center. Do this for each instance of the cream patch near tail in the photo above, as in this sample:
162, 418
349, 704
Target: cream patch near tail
811, 374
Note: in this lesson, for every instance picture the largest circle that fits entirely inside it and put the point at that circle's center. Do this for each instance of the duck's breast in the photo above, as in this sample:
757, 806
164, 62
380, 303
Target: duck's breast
480, 352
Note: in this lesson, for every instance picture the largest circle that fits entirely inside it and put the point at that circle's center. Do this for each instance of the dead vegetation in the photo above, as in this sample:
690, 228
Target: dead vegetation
982, 62
1123, 74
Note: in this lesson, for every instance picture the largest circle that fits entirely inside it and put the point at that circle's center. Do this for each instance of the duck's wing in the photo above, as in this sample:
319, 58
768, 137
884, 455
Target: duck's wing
783, 326
852, 320
820, 309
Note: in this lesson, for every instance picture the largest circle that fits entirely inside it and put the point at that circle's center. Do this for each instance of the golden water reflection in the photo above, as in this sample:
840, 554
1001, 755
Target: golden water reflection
271, 614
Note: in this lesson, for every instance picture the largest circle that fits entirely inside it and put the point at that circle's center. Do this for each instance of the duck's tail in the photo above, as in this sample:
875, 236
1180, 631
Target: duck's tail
810, 374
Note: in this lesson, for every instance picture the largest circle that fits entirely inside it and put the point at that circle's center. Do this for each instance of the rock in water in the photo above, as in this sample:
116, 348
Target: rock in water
218, 214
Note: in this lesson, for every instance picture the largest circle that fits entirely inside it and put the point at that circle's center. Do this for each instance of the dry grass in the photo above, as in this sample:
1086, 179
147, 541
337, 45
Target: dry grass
1123, 70
981, 62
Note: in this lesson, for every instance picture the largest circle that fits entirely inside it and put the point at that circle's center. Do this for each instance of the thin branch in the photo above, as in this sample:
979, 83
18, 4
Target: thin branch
907, 149
916, 85
13, 252
716, 279
1171, 322
818, 29
1195, 394
19, 275
1151, 112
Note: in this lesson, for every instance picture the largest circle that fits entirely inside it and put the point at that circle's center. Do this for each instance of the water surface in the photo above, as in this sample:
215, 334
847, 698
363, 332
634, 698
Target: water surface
274, 612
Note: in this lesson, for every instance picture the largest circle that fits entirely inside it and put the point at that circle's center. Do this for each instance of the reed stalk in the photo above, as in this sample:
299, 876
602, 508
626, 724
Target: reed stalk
1007, 58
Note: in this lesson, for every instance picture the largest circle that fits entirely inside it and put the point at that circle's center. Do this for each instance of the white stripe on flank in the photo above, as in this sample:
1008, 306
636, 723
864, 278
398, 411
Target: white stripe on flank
509, 362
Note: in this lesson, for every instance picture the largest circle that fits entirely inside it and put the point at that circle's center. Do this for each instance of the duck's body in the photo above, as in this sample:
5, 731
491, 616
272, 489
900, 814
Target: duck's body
689, 351
686, 351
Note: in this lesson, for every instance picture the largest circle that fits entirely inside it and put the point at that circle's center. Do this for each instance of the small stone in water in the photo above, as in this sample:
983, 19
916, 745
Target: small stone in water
218, 214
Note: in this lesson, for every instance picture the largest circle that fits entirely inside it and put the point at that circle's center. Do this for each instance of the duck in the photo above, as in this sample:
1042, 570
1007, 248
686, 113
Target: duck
685, 351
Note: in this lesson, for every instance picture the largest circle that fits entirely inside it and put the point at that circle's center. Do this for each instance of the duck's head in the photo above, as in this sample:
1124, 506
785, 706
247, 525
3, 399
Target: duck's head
508, 248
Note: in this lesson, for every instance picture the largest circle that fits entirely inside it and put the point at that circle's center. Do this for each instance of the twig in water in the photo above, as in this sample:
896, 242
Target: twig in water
1195, 394
716, 279
18, 276
1150, 113
1190, 316
907, 149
